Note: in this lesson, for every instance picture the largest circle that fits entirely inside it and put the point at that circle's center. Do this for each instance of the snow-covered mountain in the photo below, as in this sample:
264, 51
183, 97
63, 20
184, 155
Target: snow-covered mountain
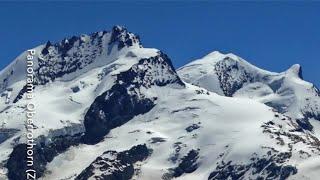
230, 75
108, 108
287, 93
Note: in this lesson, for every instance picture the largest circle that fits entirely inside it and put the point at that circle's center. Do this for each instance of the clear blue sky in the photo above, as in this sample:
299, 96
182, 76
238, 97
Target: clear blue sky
270, 35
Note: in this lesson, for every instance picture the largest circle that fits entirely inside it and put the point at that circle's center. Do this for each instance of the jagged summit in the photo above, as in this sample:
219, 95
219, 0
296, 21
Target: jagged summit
70, 58
119, 35
84, 52
54, 60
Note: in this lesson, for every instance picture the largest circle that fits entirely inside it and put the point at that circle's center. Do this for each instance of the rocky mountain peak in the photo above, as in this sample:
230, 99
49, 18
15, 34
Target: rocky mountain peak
83, 52
124, 38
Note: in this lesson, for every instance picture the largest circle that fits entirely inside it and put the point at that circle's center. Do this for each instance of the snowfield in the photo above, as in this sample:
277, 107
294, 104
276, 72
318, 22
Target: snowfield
107, 108
225, 126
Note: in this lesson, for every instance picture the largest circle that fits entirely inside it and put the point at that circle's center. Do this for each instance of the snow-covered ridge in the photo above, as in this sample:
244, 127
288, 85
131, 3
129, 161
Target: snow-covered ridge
230, 75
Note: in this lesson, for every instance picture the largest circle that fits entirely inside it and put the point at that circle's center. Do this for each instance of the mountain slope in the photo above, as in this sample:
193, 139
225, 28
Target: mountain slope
230, 75
108, 108
287, 93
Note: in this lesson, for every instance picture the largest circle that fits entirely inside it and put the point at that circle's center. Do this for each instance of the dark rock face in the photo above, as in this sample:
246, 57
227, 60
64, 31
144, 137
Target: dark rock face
114, 165
125, 100
20, 94
66, 57
58, 145
43, 153
121, 36
156, 140
157, 70
300, 72
316, 89
227, 72
312, 113
305, 124
6, 134
17, 162
271, 167
188, 164
192, 127
308, 114
75, 89
4, 82
177, 148
275, 85
280, 107
112, 109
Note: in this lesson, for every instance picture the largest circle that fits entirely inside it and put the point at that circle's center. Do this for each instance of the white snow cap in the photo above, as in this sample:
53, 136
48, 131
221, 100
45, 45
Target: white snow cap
217, 55
295, 70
